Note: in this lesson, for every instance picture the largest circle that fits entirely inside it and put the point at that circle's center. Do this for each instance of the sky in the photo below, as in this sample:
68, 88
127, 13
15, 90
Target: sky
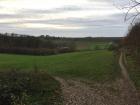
66, 18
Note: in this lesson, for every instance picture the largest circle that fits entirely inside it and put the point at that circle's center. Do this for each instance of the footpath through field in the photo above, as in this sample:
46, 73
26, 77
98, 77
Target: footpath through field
130, 91
79, 93
120, 92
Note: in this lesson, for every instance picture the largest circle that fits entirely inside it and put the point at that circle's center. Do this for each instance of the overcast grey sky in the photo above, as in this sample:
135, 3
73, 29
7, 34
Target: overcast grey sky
69, 18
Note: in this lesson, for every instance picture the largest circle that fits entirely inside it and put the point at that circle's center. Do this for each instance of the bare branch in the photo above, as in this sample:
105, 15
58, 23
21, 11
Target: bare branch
134, 7
135, 17
135, 1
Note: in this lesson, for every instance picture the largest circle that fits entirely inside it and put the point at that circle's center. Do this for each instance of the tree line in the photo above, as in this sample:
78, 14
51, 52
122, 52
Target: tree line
132, 41
25, 44
44, 44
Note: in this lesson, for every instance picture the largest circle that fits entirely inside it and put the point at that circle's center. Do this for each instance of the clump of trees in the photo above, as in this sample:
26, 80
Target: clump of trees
131, 7
112, 46
42, 45
132, 41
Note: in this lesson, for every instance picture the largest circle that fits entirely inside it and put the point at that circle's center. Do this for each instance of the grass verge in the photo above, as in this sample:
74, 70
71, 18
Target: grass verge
134, 71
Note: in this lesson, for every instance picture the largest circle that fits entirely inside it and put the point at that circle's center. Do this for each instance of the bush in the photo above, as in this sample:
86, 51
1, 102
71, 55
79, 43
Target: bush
112, 46
97, 47
32, 88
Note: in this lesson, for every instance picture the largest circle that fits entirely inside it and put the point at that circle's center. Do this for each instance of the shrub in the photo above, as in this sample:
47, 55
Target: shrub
28, 88
112, 46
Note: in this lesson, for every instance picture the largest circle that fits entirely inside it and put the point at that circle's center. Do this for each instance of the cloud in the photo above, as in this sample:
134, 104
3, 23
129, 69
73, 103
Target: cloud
54, 10
100, 1
114, 19
48, 26
74, 26
3, 16
62, 17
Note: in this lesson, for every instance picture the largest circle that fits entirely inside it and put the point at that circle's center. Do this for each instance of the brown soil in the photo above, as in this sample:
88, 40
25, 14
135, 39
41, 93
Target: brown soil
129, 91
121, 92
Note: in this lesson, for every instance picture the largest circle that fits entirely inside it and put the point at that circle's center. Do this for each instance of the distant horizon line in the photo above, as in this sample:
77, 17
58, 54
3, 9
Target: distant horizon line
61, 36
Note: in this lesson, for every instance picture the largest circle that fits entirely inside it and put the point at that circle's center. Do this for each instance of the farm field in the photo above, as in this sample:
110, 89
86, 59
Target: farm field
94, 65
70, 52
70, 77
89, 45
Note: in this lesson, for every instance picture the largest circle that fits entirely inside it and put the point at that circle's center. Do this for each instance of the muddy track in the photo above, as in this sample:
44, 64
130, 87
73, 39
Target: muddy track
79, 93
120, 92
128, 87
76, 92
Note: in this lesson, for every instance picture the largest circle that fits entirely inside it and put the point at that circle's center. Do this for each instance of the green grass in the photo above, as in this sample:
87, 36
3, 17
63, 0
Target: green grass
93, 65
90, 45
134, 71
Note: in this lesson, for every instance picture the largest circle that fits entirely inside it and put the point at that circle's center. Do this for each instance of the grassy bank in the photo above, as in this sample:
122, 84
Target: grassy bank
94, 65
29, 88
134, 71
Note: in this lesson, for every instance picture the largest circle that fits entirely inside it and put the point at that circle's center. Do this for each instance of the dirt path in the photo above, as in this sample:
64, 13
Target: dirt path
79, 93
129, 90
123, 68
120, 92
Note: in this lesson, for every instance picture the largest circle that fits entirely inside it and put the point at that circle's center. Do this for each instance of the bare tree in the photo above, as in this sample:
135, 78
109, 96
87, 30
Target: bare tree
132, 9
135, 8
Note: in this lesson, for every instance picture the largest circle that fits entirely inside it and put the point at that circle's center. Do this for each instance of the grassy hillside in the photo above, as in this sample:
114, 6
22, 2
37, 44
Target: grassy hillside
94, 65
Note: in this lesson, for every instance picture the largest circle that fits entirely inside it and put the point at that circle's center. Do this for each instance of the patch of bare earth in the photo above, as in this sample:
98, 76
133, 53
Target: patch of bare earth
128, 87
119, 92
77, 92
